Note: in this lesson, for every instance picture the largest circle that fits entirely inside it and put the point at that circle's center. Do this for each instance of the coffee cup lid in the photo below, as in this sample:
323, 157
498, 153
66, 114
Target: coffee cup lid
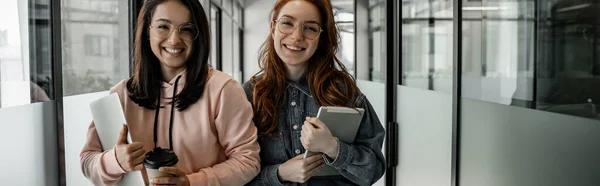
160, 157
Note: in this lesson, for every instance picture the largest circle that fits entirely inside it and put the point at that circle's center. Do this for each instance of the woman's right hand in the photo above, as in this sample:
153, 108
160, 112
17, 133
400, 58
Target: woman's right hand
129, 156
298, 169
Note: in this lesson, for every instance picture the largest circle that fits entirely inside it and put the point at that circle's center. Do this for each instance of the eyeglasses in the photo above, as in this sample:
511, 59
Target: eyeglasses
309, 30
187, 31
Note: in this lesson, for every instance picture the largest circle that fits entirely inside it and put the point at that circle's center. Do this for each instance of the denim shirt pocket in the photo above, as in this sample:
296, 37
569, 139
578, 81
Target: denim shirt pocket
272, 148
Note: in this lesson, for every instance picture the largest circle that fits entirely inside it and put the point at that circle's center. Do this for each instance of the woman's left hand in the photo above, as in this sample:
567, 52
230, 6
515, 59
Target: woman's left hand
180, 178
316, 137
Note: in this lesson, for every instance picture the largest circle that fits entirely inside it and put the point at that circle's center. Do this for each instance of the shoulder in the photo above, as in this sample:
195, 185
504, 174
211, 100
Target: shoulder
219, 81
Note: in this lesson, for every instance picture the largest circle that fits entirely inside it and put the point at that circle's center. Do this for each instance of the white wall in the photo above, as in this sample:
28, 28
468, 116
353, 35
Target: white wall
256, 23
77, 118
29, 145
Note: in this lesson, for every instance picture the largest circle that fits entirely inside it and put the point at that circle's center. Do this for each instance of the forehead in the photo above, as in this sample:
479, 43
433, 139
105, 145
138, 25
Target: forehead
300, 10
172, 11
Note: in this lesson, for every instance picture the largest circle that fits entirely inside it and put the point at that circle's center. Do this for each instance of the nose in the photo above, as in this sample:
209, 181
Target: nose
297, 35
174, 39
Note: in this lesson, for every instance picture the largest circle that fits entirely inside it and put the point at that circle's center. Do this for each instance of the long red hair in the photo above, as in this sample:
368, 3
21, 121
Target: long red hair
329, 81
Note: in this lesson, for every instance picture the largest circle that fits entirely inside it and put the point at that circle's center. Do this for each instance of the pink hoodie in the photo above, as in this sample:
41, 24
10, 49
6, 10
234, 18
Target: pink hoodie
214, 138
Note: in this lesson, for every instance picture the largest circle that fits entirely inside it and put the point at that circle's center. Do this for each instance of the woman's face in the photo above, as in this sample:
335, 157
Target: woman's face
296, 32
172, 34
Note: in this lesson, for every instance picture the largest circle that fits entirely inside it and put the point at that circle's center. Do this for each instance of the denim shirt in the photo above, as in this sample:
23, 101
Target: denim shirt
360, 163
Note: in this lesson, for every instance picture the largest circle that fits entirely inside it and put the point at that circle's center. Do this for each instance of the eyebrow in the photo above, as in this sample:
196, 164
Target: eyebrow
292, 17
166, 20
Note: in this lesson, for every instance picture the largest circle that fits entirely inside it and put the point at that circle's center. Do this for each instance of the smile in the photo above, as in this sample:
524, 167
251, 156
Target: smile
294, 48
173, 51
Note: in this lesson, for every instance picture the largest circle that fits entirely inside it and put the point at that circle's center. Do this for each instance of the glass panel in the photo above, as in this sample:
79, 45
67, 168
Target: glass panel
237, 66
213, 36
95, 45
427, 37
344, 17
377, 41
226, 45
25, 58
552, 65
227, 6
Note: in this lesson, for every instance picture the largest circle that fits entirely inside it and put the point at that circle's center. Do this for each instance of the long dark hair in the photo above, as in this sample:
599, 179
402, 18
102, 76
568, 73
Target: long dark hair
330, 86
145, 84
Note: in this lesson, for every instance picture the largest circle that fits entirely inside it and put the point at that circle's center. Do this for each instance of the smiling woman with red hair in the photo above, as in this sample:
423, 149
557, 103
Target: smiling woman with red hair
299, 73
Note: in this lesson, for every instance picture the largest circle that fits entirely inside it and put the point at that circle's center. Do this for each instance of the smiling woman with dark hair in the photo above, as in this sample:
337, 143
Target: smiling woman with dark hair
175, 101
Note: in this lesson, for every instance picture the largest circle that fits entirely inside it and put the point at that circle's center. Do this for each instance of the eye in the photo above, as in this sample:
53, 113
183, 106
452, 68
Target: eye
164, 27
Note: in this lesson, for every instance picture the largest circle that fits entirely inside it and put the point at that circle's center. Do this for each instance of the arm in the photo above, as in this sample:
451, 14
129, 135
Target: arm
362, 162
237, 135
268, 177
100, 167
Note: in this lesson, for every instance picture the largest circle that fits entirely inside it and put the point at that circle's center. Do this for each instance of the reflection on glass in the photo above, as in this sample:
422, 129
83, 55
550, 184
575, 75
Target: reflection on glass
344, 17
95, 45
377, 41
548, 62
25, 58
427, 39
226, 44
213, 36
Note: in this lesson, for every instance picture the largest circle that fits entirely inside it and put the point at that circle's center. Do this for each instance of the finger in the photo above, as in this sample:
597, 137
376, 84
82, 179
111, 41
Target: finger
137, 153
135, 146
313, 171
298, 157
138, 167
318, 123
314, 157
123, 135
172, 170
308, 128
138, 160
314, 164
164, 181
303, 141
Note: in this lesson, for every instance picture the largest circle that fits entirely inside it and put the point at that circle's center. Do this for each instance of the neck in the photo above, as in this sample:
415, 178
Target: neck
294, 72
169, 73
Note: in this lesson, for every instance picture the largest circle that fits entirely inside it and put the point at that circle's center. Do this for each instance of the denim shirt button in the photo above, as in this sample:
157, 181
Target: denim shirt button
293, 103
297, 151
295, 127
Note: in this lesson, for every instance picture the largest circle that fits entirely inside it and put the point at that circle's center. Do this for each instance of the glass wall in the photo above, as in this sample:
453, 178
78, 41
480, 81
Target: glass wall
427, 45
343, 11
25, 55
551, 65
226, 29
95, 45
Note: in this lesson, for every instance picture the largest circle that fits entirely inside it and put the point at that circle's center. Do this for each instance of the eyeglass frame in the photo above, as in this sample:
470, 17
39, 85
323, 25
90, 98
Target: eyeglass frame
178, 30
278, 20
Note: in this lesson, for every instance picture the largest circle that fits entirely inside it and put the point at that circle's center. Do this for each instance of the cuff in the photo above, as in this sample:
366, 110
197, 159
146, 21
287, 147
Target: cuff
112, 166
270, 176
343, 158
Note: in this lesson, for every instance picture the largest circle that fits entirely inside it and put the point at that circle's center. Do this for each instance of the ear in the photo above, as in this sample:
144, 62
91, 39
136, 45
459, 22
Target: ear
272, 28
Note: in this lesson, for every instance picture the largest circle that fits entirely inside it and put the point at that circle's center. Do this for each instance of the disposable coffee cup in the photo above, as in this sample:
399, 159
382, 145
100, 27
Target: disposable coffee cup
158, 158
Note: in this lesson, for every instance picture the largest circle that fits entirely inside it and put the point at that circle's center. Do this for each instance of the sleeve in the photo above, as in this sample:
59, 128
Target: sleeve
99, 166
268, 177
238, 137
362, 162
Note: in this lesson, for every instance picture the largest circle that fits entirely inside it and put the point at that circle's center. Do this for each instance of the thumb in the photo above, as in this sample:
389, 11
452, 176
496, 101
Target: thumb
123, 136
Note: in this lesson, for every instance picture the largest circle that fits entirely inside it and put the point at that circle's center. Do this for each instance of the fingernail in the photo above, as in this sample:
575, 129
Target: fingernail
307, 118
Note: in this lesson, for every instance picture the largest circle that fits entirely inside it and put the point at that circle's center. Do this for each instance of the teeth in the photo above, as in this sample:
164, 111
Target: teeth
293, 48
173, 51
